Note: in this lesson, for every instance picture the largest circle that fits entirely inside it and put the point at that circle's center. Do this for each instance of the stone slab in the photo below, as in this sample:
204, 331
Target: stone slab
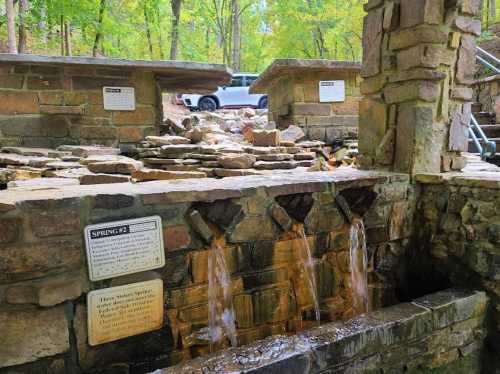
124, 247
29, 335
178, 76
119, 312
297, 66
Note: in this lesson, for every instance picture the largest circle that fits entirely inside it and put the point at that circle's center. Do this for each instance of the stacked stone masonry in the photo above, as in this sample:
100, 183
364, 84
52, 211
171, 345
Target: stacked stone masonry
51, 105
44, 281
418, 65
293, 88
459, 236
295, 101
439, 333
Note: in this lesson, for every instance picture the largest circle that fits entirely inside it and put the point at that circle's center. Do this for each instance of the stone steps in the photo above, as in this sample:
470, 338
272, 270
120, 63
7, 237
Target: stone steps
491, 131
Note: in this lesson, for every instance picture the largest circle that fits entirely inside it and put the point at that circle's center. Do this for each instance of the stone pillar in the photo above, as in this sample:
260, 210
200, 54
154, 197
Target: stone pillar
418, 65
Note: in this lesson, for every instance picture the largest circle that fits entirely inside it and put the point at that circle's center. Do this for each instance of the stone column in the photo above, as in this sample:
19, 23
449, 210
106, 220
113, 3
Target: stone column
418, 65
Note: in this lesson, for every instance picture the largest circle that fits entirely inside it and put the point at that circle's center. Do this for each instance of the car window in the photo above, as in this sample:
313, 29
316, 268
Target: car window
237, 82
250, 80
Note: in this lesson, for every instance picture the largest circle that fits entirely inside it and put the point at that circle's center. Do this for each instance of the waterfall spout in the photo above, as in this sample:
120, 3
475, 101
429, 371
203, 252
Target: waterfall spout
221, 316
308, 265
359, 266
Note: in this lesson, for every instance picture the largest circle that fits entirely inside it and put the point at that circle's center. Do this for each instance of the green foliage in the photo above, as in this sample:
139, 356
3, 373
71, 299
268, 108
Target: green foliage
270, 29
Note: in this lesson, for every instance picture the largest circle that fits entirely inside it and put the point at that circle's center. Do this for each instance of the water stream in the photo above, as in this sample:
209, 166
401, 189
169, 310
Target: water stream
308, 265
221, 316
359, 266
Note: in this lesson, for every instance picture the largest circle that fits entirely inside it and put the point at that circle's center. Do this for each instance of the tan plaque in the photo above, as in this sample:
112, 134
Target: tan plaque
119, 312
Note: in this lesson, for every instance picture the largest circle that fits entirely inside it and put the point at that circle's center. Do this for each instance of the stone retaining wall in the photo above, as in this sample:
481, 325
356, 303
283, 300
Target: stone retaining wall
44, 281
439, 333
50, 105
459, 237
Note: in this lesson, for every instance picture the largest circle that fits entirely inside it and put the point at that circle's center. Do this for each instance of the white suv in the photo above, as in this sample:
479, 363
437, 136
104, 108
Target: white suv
234, 96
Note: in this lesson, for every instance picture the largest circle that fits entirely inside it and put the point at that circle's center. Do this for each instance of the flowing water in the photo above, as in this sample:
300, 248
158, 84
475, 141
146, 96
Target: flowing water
308, 264
359, 266
221, 317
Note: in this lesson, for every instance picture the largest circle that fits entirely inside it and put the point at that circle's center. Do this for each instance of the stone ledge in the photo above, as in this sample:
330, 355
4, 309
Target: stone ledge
179, 74
208, 190
337, 343
489, 180
297, 66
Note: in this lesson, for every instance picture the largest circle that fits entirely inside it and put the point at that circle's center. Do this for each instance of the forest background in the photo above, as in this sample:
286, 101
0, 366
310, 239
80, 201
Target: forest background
244, 34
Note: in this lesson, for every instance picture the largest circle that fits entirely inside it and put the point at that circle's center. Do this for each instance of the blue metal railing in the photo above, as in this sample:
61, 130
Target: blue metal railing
488, 60
484, 146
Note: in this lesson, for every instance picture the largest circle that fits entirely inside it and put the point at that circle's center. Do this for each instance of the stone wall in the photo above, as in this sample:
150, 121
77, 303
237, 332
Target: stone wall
459, 238
44, 281
487, 92
418, 64
294, 100
439, 333
50, 105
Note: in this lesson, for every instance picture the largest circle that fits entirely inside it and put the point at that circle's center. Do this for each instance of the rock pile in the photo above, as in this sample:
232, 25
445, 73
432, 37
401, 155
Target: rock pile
218, 145
23, 167
226, 143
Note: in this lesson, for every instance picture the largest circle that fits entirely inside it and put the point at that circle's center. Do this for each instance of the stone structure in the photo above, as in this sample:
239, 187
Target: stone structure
439, 333
487, 91
418, 65
50, 101
44, 278
459, 237
293, 92
426, 231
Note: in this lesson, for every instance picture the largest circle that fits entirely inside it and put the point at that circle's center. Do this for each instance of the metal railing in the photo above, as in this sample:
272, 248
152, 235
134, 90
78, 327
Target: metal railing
488, 60
484, 146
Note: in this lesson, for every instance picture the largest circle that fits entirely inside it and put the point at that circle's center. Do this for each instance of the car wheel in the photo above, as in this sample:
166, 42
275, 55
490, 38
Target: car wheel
263, 103
207, 104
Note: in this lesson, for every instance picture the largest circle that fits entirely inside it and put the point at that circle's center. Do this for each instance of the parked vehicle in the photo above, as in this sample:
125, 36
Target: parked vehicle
236, 95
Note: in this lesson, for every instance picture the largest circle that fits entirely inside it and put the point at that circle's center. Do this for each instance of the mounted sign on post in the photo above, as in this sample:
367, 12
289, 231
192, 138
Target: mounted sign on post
119, 98
124, 247
331, 91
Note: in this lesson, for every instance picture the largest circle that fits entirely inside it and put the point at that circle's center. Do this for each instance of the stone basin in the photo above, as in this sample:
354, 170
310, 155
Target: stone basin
409, 336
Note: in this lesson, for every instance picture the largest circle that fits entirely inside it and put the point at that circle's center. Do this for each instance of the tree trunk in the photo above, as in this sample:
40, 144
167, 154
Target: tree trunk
11, 26
160, 39
42, 24
61, 34
67, 38
23, 9
236, 34
493, 10
98, 35
148, 31
174, 34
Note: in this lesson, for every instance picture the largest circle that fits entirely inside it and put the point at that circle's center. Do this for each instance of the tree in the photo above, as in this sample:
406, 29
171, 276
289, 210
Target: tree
23, 9
67, 38
236, 32
174, 33
148, 30
11, 26
98, 35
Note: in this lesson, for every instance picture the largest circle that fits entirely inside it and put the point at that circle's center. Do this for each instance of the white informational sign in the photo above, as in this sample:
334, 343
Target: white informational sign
119, 312
124, 247
119, 98
331, 91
